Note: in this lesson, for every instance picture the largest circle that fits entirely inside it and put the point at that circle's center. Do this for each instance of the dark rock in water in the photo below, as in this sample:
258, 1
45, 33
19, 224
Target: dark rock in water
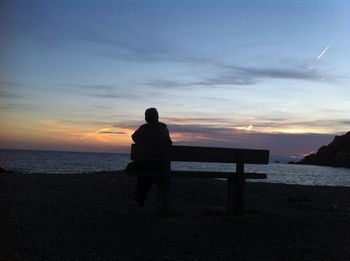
4, 171
291, 162
335, 154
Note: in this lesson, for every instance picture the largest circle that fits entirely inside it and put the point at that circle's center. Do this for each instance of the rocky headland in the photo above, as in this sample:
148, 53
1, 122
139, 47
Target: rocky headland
335, 154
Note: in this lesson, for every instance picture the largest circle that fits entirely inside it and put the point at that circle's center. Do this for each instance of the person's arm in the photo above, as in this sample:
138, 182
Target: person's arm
136, 136
166, 137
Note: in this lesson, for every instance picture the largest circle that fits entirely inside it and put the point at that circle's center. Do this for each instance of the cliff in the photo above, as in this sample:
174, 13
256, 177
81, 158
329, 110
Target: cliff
335, 154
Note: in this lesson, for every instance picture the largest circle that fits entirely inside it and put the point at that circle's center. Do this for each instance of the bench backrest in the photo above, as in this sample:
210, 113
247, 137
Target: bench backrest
198, 154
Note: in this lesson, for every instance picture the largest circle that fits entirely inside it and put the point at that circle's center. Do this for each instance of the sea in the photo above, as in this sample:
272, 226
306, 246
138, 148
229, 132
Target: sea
59, 162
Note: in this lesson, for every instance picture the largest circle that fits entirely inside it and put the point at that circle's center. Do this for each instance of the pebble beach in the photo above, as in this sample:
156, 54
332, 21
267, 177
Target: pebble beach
93, 217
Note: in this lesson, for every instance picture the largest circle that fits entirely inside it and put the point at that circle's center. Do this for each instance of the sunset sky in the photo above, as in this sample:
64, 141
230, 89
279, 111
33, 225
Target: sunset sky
78, 75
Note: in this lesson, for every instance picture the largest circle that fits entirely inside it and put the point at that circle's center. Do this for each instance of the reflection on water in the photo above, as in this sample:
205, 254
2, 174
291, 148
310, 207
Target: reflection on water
27, 161
78, 162
282, 173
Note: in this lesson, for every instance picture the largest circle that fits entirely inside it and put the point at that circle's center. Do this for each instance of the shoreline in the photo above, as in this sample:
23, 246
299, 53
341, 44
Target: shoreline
121, 172
93, 217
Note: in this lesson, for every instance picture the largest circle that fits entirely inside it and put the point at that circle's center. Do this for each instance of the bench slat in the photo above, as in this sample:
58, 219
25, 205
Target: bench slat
198, 174
219, 155
216, 174
198, 154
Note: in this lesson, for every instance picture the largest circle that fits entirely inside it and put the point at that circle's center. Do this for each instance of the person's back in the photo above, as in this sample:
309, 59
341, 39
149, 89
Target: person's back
151, 133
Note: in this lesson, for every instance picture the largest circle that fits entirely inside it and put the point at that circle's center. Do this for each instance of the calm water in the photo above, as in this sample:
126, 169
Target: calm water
78, 162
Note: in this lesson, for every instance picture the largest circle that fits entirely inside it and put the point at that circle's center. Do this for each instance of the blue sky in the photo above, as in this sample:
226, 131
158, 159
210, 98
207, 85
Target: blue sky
260, 74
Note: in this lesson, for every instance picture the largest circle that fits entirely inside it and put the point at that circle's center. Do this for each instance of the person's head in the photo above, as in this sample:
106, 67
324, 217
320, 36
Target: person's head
151, 115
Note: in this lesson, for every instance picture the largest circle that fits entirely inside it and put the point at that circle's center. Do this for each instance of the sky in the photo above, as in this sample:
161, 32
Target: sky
78, 75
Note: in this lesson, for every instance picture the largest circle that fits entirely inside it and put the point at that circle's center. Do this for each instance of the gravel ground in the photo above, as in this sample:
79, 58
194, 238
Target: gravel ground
93, 217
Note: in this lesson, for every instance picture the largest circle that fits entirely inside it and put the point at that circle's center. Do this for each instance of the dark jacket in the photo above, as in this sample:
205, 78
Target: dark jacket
152, 133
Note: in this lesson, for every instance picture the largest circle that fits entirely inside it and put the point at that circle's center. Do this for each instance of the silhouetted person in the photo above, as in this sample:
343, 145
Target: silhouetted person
151, 133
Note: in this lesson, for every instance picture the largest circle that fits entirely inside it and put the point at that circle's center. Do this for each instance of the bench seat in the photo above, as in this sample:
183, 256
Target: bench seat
198, 174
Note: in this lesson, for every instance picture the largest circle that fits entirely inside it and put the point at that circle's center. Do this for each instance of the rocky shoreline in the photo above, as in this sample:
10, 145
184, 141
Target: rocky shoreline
335, 154
93, 217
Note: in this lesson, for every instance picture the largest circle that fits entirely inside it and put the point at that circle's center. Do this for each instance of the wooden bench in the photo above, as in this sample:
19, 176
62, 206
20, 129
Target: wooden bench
235, 180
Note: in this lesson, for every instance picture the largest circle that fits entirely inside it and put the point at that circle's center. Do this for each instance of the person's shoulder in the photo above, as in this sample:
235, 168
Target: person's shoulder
155, 125
143, 126
162, 125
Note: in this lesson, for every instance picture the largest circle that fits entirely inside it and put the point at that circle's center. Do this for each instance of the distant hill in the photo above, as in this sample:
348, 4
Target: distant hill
335, 154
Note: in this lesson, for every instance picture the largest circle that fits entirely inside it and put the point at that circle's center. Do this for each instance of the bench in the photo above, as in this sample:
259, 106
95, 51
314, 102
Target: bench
167, 154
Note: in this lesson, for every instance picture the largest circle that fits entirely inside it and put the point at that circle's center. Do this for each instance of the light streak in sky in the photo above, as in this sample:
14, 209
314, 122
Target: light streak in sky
313, 64
292, 103
324, 51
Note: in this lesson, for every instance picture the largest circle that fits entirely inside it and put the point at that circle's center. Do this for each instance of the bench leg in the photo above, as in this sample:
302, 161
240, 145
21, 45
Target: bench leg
235, 196
238, 201
230, 195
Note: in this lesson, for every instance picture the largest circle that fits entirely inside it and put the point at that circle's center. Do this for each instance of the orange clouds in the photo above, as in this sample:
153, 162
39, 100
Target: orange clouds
70, 132
55, 134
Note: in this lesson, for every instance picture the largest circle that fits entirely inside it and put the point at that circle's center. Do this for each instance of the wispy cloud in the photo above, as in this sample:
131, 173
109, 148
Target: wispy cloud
86, 122
148, 50
286, 124
5, 94
104, 91
151, 51
277, 143
197, 129
277, 73
10, 90
113, 132
20, 107
272, 125
64, 131
210, 82
240, 76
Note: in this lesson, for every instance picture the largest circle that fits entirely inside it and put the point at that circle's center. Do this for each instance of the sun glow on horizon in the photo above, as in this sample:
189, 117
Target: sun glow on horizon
117, 136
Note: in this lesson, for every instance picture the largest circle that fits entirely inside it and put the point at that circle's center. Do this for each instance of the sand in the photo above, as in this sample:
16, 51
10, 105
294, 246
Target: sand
93, 217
